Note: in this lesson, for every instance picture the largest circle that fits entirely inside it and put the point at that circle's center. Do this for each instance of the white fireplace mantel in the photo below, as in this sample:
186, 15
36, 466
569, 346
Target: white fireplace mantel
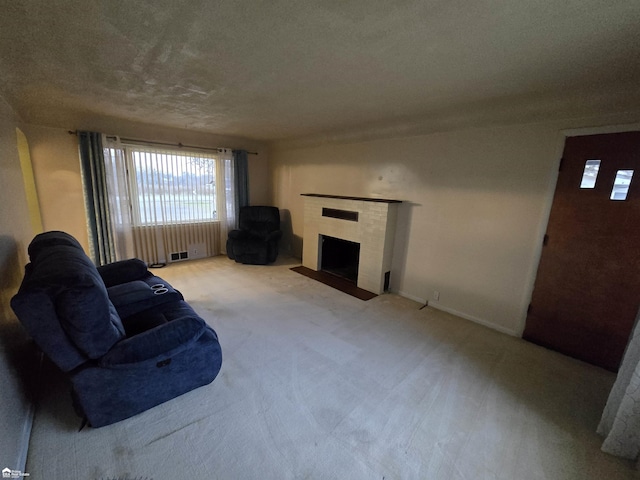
371, 222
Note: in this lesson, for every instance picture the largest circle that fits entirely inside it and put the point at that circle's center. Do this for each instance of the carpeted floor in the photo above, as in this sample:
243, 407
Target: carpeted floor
316, 384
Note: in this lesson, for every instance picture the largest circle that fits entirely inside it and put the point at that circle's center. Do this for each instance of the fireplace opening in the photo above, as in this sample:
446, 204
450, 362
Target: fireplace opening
340, 257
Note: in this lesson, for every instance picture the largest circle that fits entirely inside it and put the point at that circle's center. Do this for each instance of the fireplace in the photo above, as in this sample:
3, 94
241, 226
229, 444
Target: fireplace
340, 257
356, 234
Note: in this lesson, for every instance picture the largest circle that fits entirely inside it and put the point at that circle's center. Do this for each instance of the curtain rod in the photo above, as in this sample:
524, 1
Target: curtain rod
179, 145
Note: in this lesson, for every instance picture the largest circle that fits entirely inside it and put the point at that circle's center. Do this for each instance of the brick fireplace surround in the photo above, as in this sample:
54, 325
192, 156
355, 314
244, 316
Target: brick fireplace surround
371, 222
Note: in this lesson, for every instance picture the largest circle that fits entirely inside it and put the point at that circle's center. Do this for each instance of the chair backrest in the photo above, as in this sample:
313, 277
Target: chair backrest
42, 241
259, 220
63, 303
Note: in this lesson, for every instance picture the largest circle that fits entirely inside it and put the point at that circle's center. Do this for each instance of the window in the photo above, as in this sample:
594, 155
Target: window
621, 185
172, 187
151, 186
168, 203
590, 174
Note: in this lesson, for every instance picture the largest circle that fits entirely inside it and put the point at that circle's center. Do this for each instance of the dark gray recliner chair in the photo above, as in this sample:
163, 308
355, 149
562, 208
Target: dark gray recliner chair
256, 241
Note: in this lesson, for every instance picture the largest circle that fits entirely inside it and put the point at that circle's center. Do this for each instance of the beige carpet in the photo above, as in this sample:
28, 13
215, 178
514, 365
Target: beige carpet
316, 384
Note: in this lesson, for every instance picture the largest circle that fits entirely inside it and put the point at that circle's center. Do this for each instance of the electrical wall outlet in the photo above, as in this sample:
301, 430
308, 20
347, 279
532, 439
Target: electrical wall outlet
436, 295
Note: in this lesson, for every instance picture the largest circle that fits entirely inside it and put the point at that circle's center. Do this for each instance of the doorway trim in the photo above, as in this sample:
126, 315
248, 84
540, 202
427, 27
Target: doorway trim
580, 132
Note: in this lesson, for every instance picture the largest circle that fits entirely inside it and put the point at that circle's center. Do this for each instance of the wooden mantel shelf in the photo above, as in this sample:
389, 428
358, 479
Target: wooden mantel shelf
361, 199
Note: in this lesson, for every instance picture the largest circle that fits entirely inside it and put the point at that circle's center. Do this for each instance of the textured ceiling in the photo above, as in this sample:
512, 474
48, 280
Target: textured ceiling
274, 70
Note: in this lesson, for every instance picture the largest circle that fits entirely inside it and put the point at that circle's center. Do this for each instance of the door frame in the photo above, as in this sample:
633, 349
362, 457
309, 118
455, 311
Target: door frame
543, 222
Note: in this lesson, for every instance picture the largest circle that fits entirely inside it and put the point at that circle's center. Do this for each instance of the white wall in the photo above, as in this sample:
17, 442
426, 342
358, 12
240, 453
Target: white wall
475, 208
16, 356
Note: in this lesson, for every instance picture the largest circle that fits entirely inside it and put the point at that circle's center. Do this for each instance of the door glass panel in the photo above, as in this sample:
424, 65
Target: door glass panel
621, 185
590, 174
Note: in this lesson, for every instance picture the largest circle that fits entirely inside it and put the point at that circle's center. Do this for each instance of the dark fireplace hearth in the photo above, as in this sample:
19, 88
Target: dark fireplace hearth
340, 257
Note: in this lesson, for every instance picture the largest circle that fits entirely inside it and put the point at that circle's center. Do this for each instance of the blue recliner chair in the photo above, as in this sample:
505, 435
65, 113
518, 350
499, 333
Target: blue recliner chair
127, 340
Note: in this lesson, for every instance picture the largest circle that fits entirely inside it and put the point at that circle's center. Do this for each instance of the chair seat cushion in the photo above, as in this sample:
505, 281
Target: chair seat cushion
250, 251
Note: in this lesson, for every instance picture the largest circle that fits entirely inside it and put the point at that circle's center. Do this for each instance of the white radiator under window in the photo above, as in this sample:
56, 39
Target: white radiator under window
161, 243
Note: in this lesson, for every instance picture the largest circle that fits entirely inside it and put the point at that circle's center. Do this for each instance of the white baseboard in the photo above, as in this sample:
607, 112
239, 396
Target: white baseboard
466, 316
412, 297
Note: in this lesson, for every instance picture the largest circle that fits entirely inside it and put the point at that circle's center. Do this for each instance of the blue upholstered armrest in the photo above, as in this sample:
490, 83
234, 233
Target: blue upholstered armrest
122, 271
238, 234
137, 296
156, 345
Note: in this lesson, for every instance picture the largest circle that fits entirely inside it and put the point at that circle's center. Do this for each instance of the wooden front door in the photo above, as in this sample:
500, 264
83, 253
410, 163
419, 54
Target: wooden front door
587, 290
